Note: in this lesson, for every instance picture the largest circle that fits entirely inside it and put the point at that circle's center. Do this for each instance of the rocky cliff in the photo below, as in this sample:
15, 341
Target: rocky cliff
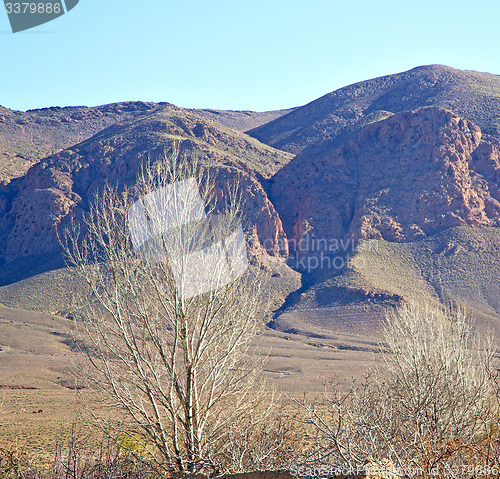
34, 206
400, 179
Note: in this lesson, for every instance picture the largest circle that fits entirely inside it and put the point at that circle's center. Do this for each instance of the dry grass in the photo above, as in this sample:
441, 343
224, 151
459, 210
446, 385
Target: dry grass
460, 264
35, 372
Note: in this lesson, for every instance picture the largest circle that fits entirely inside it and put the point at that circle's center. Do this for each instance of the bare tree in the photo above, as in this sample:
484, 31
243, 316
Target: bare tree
426, 409
347, 426
168, 313
438, 368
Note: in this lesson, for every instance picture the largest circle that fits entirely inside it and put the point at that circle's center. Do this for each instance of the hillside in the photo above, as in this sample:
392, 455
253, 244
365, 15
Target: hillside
27, 137
33, 206
400, 179
460, 264
473, 95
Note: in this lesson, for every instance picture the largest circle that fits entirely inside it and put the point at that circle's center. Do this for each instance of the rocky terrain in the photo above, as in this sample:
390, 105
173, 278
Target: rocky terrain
399, 160
473, 95
400, 179
35, 205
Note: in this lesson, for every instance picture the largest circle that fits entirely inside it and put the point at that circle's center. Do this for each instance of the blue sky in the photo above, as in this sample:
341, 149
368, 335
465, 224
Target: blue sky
259, 55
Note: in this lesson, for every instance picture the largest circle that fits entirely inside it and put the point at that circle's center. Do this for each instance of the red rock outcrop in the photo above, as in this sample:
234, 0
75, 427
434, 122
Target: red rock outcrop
400, 179
34, 206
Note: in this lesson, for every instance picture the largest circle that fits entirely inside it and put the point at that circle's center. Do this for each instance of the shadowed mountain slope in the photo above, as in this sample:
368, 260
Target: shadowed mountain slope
461, 264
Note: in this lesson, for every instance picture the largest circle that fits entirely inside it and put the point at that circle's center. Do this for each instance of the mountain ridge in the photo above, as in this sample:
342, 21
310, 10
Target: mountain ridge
33, 206
380, 160
28, 137
474, 95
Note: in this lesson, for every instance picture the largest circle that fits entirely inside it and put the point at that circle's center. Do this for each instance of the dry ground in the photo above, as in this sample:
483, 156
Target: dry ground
38, 406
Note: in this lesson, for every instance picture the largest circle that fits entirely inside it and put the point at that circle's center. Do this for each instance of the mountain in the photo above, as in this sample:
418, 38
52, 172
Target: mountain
27, 137
399, 179
33, 206
473, 95
378, 193
389, 190
408, 207
407, 164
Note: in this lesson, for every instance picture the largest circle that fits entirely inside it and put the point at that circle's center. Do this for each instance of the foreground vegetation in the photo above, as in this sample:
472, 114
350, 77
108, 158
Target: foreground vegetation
430, 408
177, 367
